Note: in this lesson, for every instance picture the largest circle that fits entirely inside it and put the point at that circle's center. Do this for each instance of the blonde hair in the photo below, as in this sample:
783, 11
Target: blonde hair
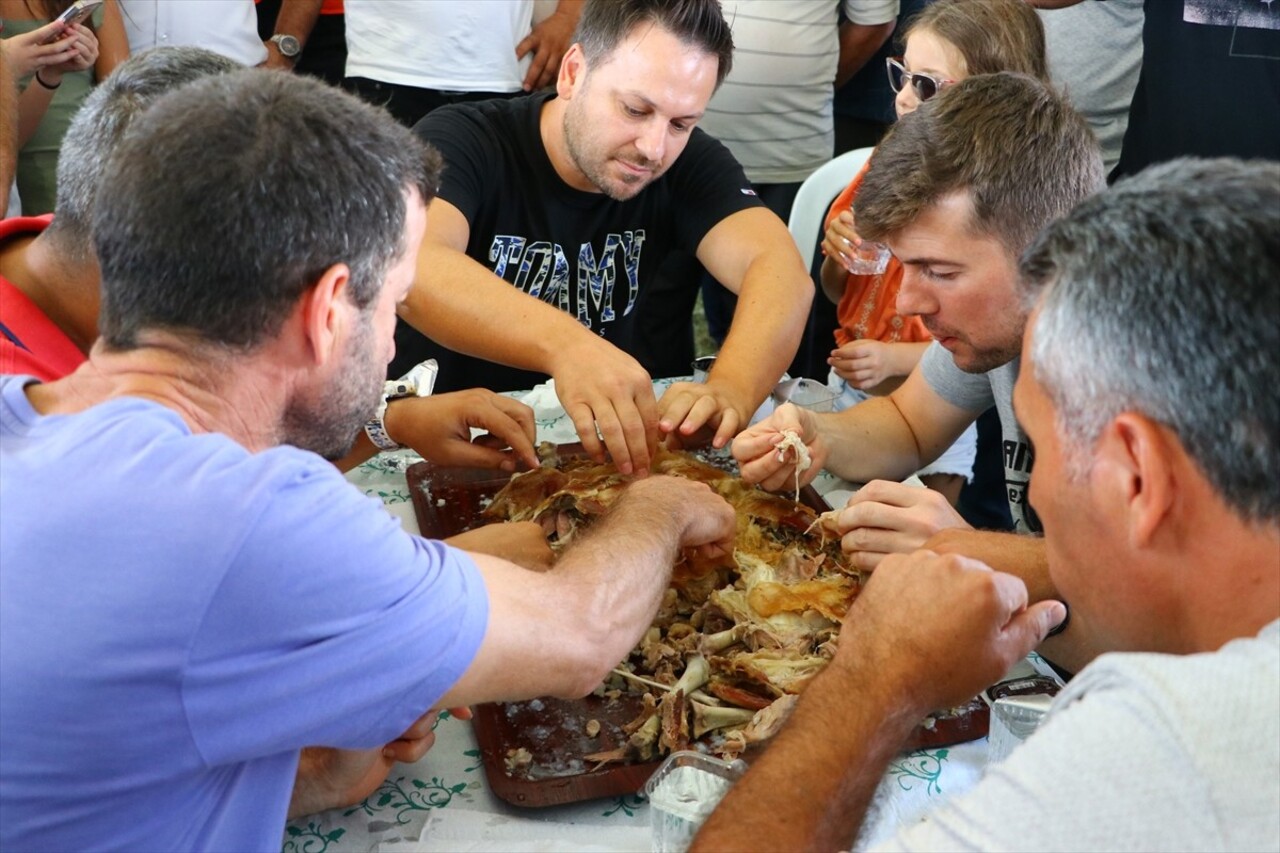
989, 35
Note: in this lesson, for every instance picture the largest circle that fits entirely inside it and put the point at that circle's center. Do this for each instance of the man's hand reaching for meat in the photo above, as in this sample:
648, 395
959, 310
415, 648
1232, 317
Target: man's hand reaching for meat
693, 413
439, 428
762, 460
601, 387
885, 518
936, 629
329, 778
707, 519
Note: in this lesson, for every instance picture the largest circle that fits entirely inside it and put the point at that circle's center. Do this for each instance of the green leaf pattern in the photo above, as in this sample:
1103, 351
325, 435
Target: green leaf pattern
626, 804
923, 766
310, 839
405, 796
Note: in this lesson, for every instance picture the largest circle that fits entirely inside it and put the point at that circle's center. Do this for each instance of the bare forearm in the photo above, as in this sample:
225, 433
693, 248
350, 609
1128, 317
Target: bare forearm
113, 43
905, 357
456, 307
297, 18
622, 588
8, 129
32, 105
773, 307
1025, 557
570, 7
309, 795
811, 788
834, 278
1020, 555
870, 441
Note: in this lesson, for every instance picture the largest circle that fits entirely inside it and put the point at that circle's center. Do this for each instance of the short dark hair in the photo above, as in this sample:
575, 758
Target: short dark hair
232, 195
1160, 296
100, 124
1020, 150
605, 23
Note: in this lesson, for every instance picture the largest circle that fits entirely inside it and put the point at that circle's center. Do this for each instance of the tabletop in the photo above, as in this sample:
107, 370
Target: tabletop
443, 802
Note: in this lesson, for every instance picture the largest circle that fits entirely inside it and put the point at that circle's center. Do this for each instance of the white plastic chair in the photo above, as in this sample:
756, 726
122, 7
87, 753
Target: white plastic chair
815, 196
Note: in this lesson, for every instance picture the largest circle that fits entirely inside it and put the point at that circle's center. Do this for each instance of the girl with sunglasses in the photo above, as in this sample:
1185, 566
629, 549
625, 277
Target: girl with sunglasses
876, 348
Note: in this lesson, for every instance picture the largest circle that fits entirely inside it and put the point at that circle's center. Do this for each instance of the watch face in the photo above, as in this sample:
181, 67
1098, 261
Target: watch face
288, 45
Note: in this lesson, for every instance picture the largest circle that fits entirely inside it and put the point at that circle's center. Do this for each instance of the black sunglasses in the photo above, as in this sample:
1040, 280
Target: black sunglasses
925, 85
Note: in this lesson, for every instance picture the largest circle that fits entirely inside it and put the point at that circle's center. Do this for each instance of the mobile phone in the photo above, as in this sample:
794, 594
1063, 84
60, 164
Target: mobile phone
78, 11
74, 14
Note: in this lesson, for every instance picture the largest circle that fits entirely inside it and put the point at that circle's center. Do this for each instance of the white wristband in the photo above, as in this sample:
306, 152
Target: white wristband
418, 382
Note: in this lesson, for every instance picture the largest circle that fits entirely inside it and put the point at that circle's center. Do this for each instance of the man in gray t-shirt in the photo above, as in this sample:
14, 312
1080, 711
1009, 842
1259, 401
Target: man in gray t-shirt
977, 392
957, 203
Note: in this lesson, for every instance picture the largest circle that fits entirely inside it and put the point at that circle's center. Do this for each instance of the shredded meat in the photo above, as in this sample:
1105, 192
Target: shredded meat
791, 441
731, 637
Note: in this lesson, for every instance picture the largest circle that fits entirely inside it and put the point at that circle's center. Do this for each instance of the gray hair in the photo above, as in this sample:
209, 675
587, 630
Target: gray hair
100, 125
230, 197
1161, 296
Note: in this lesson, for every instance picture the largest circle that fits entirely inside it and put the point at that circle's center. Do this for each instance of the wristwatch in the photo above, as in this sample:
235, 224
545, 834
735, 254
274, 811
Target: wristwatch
288, 46
416, 383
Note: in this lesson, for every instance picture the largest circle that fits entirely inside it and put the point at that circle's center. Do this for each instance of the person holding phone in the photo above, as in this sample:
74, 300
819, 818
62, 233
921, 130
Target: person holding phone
65, 60
20, 57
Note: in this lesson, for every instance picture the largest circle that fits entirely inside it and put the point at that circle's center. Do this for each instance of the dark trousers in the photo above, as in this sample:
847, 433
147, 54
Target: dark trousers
984, 502
408, 104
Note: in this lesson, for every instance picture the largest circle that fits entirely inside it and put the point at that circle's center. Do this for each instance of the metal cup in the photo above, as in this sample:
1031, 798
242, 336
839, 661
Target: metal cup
805, 393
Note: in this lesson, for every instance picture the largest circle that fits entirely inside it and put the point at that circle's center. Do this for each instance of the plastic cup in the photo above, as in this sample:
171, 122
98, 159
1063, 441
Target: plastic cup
867, 259
682, 793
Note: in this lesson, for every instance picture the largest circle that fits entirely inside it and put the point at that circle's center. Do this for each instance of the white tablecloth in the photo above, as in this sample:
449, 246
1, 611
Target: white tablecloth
446, 791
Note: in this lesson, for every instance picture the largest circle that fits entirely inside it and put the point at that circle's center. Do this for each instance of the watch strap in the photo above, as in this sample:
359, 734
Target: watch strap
280, 39
376, 427
418, 382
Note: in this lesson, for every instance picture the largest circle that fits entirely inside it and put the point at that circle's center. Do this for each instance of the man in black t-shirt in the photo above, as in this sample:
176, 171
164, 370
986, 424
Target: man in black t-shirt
574, 198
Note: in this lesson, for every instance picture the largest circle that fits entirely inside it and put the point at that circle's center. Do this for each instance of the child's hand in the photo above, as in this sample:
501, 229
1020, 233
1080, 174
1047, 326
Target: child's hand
864, 364
839, 237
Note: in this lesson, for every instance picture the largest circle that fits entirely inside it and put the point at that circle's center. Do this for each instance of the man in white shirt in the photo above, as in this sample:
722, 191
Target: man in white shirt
415, 57
228, 28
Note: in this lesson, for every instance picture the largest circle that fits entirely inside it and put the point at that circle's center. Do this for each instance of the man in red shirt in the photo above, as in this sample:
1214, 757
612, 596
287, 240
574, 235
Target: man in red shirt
49, 278
44, 330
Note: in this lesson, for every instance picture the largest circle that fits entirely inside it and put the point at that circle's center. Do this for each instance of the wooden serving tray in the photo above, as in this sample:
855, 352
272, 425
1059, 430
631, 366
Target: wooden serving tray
448, 501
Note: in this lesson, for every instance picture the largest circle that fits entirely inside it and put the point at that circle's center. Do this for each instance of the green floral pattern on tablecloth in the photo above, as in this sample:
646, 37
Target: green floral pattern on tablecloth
627, 804
916, 767
405, 796
310, 839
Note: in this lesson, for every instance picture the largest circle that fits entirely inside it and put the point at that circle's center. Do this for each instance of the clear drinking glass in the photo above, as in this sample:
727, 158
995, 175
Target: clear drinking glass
869, 258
